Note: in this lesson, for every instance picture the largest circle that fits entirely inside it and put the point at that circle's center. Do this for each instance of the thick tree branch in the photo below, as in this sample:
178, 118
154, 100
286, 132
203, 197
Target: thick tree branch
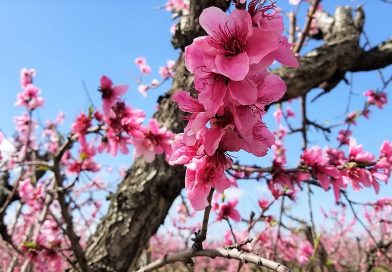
375, 58
326, 65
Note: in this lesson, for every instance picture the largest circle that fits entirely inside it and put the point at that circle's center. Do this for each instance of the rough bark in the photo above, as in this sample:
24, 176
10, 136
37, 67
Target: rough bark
146, 193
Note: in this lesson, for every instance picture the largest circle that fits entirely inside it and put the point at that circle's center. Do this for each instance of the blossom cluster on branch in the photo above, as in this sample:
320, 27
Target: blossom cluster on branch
233, 89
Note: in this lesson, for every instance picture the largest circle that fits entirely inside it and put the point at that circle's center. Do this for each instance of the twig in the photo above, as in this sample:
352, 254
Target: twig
306, 30
202, 234
279, 227
231, 230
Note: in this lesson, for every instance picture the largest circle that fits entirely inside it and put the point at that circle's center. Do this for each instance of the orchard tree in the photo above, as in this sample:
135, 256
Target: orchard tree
238, 64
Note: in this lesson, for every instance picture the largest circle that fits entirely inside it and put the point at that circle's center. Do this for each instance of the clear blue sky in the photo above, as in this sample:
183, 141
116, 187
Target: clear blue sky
69, 41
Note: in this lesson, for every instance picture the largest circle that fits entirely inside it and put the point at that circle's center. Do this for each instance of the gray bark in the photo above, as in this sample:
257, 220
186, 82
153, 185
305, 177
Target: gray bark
145, 195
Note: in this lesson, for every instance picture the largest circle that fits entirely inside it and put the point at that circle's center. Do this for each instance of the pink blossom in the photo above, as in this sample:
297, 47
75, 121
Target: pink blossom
26, 76
351, 118
154, 141
110, 93
202, 175
113, 142
305, 252
324, 173
32, 195
357, 177
263, 204
144, 68
227, 210
183, 153
77, 166
376, 98
344, 137
80, 127
290, 113
232, 42
386, 150
154, 83
30, 98
140, 61
168, 70
278, 114
143, 89
357, 154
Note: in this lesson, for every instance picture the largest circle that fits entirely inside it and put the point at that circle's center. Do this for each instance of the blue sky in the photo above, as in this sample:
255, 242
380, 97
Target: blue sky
70, 42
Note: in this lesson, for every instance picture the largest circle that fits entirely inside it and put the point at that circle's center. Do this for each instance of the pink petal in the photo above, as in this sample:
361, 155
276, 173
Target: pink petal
186, 102
231, 141
235, 215
190, 177
336, 190
222, 182
194, 54
200, 121
241, 19
211, 18
244, 92
331, 171
272, 90
106, 82
120, 90
260, 44
198, 196
212, 138
286, 57
244, 119
324, 180
213, 96
235, 68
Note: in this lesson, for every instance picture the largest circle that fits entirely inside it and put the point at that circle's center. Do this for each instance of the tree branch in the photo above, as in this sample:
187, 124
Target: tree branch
242, 256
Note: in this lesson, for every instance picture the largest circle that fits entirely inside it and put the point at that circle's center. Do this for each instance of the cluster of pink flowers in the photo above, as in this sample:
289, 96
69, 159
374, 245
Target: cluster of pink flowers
29, 97
122, 125
234, 87
359, 169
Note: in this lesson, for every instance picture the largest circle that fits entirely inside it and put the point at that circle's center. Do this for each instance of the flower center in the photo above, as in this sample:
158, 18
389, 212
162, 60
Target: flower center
228, 41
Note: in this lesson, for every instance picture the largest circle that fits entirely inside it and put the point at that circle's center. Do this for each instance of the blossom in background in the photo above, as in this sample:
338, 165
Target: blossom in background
110, 93
154, 141
26, 76
29, 98
141, 63
376, 98
227, 210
